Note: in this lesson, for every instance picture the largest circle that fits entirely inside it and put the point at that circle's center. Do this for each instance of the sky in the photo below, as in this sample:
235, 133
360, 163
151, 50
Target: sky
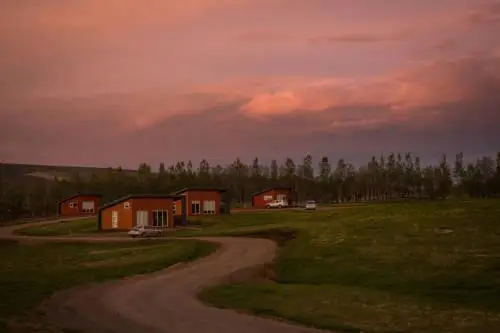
120, 82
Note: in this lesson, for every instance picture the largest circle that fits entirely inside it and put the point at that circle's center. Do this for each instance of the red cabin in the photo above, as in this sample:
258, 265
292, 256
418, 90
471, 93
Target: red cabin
199, 201
260, 199
79, 205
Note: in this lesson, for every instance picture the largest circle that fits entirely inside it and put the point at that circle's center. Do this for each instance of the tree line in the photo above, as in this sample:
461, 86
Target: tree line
390, 177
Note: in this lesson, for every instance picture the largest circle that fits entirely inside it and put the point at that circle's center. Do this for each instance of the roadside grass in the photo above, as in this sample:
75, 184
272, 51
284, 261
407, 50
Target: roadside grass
401, 267
73, 227
31, 272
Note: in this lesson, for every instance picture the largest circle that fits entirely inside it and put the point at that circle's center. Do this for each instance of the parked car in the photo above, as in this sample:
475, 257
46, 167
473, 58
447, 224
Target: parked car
145, 231
277, 204
311, 205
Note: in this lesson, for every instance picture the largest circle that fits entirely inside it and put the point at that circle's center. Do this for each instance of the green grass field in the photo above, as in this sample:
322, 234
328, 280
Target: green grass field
405, 267
31, 272
78, 227
399, 267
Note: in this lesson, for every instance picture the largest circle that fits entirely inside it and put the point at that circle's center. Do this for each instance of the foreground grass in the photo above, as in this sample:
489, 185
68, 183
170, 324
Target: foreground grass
73, 227
406, 267
29, 273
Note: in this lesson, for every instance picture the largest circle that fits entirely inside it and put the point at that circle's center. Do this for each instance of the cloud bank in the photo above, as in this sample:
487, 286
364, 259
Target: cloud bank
169, 81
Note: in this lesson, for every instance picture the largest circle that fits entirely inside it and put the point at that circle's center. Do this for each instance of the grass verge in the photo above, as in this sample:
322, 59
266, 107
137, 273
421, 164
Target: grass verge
31, 272
73, 227
402, 267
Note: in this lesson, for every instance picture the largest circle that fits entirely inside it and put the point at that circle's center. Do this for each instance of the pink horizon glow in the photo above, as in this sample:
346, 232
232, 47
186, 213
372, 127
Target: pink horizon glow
87, 82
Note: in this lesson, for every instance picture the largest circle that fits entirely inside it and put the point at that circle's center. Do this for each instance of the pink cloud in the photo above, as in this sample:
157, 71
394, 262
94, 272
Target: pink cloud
422, 85
429, 100
487, 13
157, 67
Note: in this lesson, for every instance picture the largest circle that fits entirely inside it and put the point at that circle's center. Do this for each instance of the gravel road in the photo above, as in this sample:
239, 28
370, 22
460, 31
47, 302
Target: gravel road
164, 301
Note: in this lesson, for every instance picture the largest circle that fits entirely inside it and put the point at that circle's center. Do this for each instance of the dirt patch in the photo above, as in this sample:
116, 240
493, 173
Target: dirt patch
260, 274
282, 236
443, 230
265, 273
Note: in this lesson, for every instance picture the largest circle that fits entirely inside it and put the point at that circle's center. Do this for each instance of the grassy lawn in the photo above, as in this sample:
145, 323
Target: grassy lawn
31, 272
402, 267
83, 226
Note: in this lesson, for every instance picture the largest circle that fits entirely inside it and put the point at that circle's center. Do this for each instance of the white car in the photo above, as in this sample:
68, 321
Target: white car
145, 231
277, 204
311, 205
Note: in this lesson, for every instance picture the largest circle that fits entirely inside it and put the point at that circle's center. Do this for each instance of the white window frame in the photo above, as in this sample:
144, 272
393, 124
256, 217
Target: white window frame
126, 205
88, 210
73, 204
209, 207
160, 215
195, 203
114, 219
268, 197
174, 208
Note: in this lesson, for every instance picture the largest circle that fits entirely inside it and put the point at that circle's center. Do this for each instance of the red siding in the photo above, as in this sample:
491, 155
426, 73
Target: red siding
259, 202
65, 208
127, 216
200, 196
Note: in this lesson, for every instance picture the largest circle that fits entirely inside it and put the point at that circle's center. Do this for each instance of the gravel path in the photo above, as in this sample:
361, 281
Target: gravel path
165, 301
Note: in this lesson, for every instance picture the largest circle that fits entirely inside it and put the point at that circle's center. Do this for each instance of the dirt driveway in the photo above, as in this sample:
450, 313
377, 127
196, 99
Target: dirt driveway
164, 301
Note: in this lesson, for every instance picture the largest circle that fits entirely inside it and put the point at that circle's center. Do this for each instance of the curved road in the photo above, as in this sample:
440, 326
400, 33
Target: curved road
164, 301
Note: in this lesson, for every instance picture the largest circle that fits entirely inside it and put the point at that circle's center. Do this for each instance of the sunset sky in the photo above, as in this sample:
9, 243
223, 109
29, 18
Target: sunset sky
119, 82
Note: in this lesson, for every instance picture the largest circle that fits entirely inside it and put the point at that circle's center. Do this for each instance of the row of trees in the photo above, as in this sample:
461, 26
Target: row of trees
396, 176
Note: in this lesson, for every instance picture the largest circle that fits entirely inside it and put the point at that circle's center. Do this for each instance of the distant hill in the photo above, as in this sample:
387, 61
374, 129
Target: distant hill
19, 172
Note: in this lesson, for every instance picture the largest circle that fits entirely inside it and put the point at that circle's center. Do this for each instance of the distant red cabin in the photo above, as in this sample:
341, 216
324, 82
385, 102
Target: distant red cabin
260, 199
79, 205
199, 201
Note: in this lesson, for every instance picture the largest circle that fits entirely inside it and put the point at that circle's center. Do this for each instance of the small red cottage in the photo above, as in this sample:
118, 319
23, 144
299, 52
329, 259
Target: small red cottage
260, 198
79, 205
142, 209
199, 201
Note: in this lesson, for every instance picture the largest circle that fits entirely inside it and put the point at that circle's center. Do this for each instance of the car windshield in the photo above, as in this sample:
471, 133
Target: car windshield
311, 202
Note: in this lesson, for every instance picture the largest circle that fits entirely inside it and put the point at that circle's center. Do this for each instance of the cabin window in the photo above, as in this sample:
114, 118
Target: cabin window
88, 206
195, 207
281, 197
114, 219
160, 218
209, 207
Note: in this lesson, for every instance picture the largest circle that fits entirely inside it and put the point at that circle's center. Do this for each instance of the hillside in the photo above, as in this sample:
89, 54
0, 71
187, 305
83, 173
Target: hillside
19, 172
